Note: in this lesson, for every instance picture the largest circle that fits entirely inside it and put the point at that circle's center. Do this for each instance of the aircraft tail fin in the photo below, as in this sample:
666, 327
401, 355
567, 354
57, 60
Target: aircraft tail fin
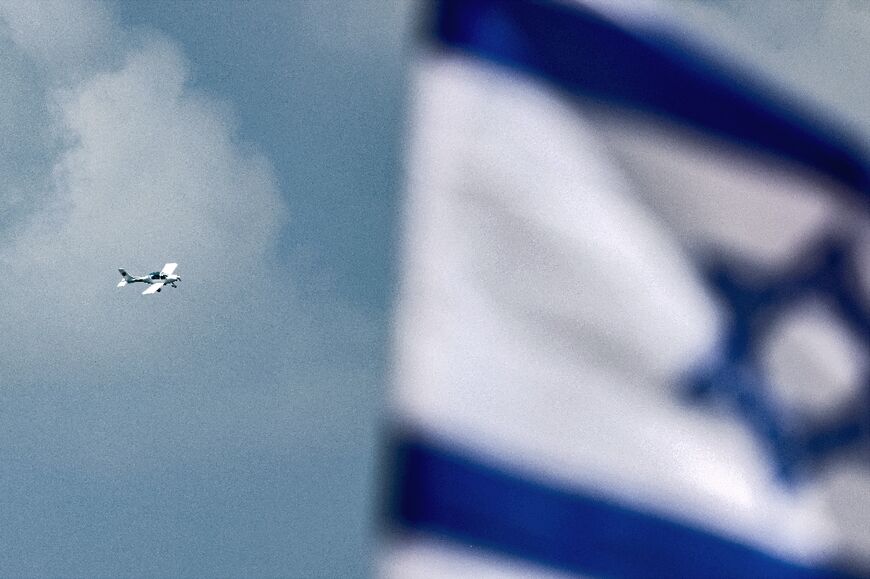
126, 276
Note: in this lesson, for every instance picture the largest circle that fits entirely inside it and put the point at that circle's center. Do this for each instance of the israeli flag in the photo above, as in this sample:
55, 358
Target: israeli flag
632, 337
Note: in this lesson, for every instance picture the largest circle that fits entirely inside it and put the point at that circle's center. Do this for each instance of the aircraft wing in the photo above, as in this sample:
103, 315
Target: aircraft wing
168, 268
153, 288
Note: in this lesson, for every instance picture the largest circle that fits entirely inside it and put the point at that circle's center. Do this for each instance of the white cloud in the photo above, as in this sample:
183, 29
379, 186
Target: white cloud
154, 171
69, 37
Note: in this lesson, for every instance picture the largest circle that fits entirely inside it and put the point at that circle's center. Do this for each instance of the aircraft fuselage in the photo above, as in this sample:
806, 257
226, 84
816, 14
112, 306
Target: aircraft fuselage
155, 278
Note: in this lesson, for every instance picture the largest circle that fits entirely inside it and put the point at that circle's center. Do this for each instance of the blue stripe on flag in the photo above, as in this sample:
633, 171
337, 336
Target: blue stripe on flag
448, 495
587, 55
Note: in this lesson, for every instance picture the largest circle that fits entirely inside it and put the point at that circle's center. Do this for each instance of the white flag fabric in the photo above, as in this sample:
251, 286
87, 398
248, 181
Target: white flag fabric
632, 333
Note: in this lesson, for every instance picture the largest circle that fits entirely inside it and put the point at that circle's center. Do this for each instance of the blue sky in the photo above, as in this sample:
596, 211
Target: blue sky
232, 428
229, 427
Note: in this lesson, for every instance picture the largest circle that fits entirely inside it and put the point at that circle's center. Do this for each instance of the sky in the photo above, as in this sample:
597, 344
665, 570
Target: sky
231, 426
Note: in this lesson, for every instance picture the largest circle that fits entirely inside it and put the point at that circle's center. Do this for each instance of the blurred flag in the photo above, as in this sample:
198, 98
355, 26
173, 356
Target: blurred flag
632, 337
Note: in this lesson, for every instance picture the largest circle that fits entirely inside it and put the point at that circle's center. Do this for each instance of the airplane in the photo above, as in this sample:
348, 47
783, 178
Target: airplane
156, 279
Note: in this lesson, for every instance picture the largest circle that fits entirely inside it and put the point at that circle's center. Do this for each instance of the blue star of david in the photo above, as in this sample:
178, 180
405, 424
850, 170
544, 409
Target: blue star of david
735, 377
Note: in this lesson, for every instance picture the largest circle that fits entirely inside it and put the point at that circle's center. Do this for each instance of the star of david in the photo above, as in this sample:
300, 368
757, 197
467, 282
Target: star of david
736, 377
